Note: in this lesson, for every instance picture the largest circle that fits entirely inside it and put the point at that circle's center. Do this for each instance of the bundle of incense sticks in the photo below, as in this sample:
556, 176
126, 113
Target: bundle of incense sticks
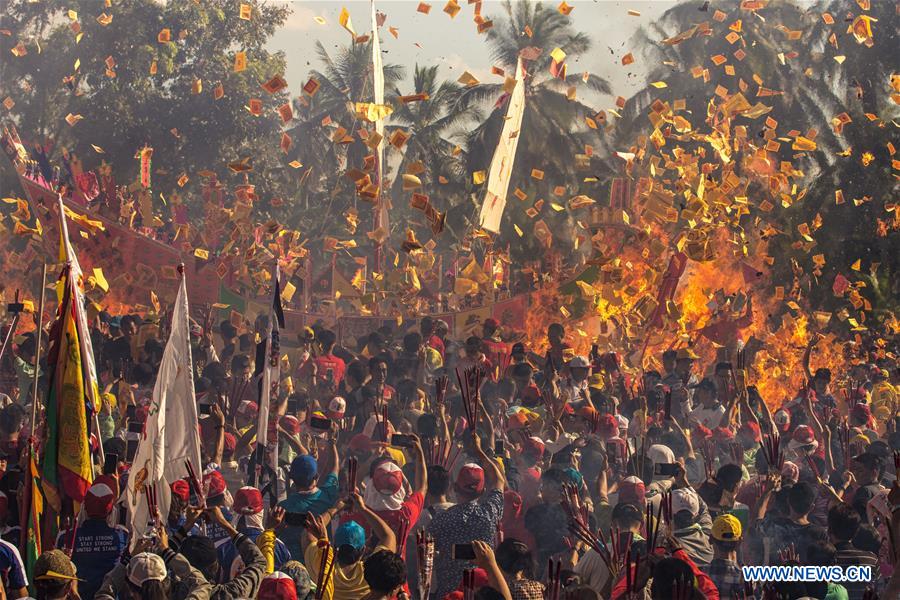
706, 451
152, 503
451, 459
771, 448
638, 459
631, 593
651, 525
435, 451
665, 505
326, 567
352, 465
194, 483
595, 422
440, 389
236, 395
554, 569
402, 531
843, 433
425, 556
383, 412
468, 584
470, 381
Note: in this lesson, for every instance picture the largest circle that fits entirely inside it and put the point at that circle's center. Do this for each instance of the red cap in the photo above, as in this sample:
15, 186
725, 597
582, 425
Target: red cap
98, 501
861, 412
181, 489
492, 323
471, 478
608, 426
290, 424
804, 435
361, 443
248, 408
388, 478
111, 480
632, 491
229, 443
534, 446
277, 586
248, 501
215, 484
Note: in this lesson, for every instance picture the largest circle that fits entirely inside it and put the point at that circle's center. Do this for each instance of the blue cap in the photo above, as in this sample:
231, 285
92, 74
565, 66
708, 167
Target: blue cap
350, 533
304, 470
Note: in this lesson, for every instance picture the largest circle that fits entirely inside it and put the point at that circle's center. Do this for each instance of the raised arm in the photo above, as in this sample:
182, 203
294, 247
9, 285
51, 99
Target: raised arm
421, 483
494, 479
381, 530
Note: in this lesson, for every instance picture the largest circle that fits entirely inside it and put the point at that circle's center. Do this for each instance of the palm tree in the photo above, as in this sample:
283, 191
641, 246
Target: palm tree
344, 80
553, 126
432, 126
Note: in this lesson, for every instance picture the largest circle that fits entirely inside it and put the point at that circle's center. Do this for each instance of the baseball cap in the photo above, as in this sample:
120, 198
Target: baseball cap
491, 323
726, 528
248, 501
350, 533
290, 423
248, 408
685, 499
146, 567
277, 586
632, 491
336, 408
782, 420
304, 470
215, 484
98, 501
658, 453
54, 564
471, 478
388, 478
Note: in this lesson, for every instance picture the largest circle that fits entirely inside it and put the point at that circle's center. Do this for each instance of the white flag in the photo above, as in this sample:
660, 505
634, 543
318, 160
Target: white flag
504, 156
269, 368
384, 201
170, 434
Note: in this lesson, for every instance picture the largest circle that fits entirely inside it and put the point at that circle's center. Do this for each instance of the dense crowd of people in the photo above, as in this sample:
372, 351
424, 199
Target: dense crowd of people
417, 463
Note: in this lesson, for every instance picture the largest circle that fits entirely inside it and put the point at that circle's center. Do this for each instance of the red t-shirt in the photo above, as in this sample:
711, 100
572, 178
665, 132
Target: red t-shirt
407, 517
330, 361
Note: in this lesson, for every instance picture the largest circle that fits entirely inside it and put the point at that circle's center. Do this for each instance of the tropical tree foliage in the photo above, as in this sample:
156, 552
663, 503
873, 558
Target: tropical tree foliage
145, 73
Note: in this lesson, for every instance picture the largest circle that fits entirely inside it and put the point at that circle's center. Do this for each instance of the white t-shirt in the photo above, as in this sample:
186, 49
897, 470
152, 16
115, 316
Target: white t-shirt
709, 417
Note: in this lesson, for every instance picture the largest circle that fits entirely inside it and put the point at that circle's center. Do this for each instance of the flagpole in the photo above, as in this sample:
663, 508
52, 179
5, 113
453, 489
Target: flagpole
37, 352
12, 329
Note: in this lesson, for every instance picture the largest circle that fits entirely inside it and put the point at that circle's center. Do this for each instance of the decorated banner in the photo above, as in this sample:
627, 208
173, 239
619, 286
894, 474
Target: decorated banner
504, 157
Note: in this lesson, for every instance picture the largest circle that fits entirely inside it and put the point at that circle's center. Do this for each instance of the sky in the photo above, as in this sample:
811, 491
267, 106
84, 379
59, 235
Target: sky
454, 44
